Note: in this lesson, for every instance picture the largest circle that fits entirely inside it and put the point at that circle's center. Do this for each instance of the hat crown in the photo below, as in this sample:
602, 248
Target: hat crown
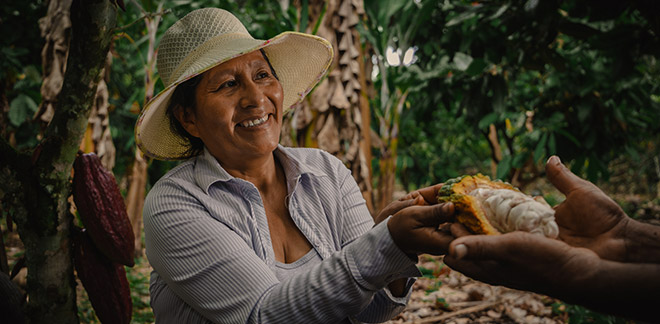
189, 33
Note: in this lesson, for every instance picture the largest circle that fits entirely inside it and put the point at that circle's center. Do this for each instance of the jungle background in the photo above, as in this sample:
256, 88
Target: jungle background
420, 91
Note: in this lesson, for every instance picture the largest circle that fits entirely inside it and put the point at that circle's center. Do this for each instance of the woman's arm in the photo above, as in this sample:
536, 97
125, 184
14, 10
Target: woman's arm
212, 269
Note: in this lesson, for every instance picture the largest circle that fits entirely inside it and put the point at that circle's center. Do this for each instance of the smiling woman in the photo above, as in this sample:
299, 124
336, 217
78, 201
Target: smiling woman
246, 230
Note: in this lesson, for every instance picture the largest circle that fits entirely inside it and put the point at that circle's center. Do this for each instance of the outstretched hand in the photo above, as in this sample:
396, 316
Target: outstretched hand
520, 260
588, 217
415, 229
420, 197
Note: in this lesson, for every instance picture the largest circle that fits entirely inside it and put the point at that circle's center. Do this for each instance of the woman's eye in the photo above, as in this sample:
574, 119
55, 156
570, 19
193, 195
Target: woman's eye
262, 75
227, 84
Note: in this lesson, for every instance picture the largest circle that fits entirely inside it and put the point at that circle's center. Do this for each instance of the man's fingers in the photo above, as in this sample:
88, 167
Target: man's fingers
436, 242
476, 247
561, 177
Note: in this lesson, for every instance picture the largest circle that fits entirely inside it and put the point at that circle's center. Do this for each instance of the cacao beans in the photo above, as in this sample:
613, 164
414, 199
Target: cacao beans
102, 209
493, 207
105, 281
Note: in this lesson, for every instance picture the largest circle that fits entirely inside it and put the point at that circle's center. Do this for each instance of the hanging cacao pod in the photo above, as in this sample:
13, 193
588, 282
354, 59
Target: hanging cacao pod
105, 281
494, 207
102, 209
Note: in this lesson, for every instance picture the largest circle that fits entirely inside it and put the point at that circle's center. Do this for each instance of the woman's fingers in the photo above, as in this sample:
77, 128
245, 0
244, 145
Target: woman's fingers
428, 194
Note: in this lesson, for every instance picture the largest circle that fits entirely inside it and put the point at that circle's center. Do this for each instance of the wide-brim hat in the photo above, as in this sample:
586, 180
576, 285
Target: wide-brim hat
205, 38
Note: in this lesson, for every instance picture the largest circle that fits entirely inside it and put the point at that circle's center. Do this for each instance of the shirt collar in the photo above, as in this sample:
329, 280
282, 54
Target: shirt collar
209, 171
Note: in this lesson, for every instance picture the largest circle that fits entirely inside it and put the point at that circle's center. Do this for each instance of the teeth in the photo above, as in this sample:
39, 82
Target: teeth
256, 122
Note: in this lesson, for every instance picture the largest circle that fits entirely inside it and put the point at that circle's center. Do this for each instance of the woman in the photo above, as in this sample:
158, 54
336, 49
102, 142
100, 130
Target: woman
246, 230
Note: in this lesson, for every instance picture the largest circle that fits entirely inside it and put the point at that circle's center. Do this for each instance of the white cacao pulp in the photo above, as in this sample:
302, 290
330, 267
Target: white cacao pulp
510, 210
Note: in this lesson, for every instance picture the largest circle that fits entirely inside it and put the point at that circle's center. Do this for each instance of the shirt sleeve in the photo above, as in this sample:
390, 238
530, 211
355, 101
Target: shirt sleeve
358, 220
213, 270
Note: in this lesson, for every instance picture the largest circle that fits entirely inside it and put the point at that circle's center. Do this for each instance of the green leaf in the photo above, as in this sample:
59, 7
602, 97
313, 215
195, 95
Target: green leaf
321, 16
540, 147
504, 167
519, 160
583, 112
487, 120
460, 18
476, 67
499, 12
552, 145
20, 109
462, 61
304, 15
569, 136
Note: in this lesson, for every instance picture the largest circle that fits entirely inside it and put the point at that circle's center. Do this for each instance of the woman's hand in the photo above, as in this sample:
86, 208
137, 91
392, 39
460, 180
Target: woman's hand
423, 196
416, 229
588, 217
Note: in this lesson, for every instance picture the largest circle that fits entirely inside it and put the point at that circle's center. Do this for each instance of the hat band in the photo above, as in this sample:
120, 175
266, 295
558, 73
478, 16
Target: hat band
192, 57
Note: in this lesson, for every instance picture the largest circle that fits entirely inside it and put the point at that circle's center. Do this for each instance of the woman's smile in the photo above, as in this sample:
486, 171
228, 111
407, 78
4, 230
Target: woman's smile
253, 123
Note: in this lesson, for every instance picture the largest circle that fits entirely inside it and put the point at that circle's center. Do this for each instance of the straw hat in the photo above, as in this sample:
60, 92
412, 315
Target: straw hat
205, 38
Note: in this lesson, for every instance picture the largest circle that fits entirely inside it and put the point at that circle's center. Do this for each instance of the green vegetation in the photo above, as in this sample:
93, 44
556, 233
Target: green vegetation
494, 87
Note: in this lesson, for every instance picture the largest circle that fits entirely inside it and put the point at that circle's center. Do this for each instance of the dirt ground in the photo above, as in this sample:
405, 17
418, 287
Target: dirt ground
446, 296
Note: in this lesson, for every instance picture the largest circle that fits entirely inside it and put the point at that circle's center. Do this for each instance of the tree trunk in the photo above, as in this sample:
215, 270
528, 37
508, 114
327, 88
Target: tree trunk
36, 188
137, 181
335, 116
390, 140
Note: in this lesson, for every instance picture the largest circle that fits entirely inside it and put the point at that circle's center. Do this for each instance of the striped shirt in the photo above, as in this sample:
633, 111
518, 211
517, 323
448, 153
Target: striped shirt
207, 239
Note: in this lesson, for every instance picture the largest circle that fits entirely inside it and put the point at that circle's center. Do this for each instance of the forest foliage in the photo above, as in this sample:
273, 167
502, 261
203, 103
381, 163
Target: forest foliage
493, 86
575, 78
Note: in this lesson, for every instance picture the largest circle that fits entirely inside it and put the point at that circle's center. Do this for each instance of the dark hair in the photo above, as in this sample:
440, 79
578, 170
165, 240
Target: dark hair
184, 98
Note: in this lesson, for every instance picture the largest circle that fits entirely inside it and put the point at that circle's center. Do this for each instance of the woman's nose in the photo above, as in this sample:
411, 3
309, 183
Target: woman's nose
252, 95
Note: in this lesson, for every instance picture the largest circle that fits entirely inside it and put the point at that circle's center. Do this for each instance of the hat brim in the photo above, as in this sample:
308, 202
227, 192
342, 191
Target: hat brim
300, 61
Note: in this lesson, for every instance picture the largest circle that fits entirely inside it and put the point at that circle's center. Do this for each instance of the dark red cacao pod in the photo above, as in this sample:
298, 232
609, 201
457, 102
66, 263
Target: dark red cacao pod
105, 281
102, 209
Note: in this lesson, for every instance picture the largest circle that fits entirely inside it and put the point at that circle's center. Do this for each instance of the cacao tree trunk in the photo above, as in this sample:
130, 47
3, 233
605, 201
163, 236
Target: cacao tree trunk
98, 138
36, 188
335, 116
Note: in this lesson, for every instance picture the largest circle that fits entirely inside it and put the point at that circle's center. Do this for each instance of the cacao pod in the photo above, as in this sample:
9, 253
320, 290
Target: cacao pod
494, 207
102, 209
105, 281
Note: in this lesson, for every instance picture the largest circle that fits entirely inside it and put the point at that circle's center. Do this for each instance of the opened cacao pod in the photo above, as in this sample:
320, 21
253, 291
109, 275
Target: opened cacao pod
494, 207
102, 209
105, 281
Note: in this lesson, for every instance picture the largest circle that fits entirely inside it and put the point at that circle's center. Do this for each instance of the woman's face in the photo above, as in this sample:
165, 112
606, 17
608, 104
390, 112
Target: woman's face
238, 111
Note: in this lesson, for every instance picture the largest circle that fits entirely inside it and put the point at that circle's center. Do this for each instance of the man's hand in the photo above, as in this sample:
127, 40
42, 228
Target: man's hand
521, 260
588, 217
